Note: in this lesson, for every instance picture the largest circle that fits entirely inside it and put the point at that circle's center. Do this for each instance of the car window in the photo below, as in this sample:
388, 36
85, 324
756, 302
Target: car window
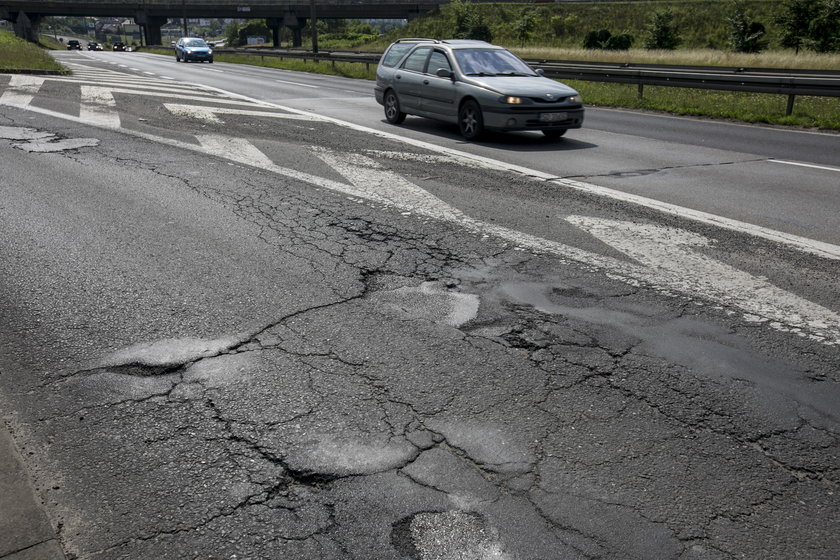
416, 61
437, 61
195, 43
491, 62
395, 53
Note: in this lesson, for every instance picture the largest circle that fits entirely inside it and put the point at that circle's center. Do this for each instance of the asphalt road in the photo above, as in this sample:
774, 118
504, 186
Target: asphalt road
234, 327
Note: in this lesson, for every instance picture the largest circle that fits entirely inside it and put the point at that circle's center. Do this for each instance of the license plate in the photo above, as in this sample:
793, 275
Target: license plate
552, 117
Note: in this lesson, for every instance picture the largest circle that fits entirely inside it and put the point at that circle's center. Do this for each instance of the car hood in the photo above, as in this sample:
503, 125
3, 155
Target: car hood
525, 86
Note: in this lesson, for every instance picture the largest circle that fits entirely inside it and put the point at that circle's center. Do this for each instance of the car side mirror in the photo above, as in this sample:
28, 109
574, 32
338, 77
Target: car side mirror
444, 73
540, 71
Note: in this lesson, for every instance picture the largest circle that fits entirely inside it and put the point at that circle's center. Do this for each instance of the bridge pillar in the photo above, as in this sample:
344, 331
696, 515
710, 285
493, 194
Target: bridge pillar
274, 24
151, 27
296, 25
26, 26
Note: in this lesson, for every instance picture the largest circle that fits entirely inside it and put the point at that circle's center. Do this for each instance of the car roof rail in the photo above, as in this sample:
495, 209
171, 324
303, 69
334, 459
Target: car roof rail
415, 40
465, 42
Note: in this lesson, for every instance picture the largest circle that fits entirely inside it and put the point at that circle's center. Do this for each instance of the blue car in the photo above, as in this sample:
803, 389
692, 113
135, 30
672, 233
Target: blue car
193, 48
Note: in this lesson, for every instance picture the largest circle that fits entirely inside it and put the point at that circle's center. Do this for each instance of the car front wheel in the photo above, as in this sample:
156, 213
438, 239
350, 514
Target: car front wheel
554, 133
392, 108
470, 120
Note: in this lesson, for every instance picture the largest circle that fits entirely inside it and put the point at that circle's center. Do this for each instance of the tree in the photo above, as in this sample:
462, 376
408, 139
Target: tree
596, 39
746, 36
662, 34
525, 26
603, 39
468, 23
795, 19
824, 30
232, 34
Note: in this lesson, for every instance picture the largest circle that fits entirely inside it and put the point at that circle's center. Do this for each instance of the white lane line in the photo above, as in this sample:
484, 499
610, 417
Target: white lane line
297, 84
167, 77
804, 244
760, 301
99, 107
674, 258
149, 73
211, 114
21, 90
810, 165
216, 71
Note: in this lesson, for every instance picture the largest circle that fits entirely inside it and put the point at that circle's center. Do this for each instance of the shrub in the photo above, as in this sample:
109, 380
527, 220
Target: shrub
745, 35
662, 34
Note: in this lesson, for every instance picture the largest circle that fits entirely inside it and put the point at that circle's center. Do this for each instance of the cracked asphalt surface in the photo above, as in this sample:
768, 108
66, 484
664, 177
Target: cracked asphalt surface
200, 359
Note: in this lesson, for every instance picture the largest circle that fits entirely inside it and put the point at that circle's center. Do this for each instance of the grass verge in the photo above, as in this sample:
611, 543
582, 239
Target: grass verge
17, 54
809, 112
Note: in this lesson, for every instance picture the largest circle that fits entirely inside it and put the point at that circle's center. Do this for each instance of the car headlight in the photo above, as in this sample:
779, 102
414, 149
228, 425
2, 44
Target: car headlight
210, 51
511, 100
574, 99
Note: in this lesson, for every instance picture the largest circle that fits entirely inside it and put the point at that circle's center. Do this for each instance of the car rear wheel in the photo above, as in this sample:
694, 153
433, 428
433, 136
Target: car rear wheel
554, 133
470, 120
392, 108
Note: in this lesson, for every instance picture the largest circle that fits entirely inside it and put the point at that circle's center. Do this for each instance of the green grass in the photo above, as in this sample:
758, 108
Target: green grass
810, 112
17, 54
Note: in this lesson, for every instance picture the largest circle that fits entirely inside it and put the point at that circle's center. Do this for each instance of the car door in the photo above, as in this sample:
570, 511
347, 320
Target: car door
438, 93
408, 80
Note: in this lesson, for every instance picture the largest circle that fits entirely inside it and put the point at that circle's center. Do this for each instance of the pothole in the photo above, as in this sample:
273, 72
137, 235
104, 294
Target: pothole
448, 535
430, 301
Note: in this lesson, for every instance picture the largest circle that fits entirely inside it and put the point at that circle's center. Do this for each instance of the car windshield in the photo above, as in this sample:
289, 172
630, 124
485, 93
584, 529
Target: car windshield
195, 43
491, 62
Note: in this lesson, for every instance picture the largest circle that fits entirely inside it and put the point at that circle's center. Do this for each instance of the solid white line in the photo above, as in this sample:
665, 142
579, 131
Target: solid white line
298, 84
149, 73
813, 246
811, 165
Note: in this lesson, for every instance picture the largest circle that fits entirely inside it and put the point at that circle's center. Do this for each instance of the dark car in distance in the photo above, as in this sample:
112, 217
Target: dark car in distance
94, 46
74, 45
119, 46
193, 48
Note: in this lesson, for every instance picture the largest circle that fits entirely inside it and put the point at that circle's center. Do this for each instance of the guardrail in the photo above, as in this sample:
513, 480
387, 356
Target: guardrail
783, 82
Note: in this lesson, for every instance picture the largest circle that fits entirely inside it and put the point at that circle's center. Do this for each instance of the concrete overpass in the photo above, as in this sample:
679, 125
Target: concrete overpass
152, 14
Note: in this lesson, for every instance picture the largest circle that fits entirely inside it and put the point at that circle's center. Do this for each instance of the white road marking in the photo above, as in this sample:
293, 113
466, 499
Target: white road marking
819, 248
21, 90
211, 114
669, 259
758, 299
99, 107
140, 85
811, 165
150, 73
298, 84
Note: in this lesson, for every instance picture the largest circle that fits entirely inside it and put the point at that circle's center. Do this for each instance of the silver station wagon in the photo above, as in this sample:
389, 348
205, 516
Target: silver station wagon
473, 84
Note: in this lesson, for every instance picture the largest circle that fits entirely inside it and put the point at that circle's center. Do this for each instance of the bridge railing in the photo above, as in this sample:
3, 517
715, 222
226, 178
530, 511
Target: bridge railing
783, 82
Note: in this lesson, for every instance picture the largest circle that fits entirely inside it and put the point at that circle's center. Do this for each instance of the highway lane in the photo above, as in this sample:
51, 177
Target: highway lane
234, 329
785, 180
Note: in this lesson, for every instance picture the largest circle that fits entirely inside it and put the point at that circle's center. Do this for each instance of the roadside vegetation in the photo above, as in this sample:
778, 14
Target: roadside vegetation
17, 54
788, 34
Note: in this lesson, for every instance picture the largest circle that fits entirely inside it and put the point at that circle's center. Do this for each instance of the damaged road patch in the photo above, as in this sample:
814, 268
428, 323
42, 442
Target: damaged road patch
32, 140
